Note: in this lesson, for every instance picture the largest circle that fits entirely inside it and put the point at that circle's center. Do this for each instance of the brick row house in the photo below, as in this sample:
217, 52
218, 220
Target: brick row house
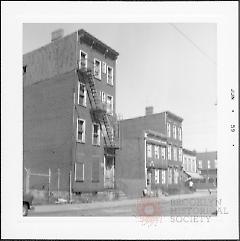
207, 167
69, 116
151, 153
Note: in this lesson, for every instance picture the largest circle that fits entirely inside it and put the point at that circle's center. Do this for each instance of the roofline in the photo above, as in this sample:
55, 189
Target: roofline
80, 32
143, 116
174, 115
83, 32
190, 152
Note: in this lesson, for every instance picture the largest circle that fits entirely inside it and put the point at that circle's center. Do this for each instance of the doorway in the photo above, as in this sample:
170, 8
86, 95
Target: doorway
109, 170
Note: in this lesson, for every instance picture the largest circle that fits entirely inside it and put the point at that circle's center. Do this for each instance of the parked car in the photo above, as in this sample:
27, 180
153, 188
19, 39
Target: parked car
27, 203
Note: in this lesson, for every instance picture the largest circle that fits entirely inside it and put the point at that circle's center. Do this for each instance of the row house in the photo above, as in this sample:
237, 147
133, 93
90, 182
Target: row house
207, 167
151, 153
69, 112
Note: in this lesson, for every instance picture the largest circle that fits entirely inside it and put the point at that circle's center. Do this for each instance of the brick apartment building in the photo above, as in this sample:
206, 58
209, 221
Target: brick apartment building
69, 112
150, 154
207, 167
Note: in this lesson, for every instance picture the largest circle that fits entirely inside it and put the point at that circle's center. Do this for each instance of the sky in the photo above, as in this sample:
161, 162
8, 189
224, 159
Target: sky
170, 66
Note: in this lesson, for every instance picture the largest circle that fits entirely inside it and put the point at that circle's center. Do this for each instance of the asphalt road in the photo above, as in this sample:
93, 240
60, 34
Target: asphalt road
201, 206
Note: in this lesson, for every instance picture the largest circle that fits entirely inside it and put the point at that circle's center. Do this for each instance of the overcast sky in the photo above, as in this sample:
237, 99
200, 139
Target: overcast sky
169, 66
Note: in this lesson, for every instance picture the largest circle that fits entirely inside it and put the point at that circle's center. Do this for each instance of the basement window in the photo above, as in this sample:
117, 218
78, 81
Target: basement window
83, 60
97, 69
81, 130
82, 94
79, 172
96, 135
110, 75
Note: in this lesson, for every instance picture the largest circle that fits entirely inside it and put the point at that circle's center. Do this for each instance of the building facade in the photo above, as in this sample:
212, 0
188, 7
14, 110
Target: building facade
150, 154
190, 166
207, 167
69, 112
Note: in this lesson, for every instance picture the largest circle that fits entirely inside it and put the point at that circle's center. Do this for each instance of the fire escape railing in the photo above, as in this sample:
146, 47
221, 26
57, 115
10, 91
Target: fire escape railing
108, 123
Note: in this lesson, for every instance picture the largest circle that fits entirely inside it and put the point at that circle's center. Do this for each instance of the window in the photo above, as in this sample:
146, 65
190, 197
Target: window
215, 163
79, 172
180, 154
170, 175
163, 176
168, 130
208, 164
199, 164
82, 94
104, 67
80, 130
174, 132
83, 60
175, 153
175, 175
193, 165
163, 152
109, 104
156, 152
95, 170
96, 134
169, 152
110, 75
180, 133
103, 96
149, 150
97, 68
156, 176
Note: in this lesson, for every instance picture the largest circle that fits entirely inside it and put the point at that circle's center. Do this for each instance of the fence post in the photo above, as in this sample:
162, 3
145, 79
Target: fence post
27, 180
49, 183
70, 187
58, 181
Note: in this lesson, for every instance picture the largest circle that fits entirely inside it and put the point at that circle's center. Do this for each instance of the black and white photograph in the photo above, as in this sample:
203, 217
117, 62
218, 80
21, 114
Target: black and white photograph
125, 120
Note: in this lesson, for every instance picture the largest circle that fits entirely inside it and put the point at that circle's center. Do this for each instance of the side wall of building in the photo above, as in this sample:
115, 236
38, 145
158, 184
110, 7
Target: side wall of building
47, 130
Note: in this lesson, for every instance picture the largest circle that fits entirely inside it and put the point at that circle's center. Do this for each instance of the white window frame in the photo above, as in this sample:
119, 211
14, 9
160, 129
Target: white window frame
168, 129
175, 153
169, 150
209, 164
180, 133
99, 138
170, 175
100, 69
109, 111
163, 152
175, 176
109, 67
104, 67
174, 132
156, 152
149, 150
156, 172
85, 94
163, 176
200, 164
75, 172
84, 131
180, 156
80, 58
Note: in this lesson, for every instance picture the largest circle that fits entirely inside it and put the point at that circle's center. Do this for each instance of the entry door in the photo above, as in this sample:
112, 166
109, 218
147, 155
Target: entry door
109, 172
149, 179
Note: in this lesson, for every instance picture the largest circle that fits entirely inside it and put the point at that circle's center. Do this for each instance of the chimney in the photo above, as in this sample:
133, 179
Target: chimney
149, 110
57, 34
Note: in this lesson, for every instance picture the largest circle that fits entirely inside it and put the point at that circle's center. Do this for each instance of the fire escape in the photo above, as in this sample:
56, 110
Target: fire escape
99, 113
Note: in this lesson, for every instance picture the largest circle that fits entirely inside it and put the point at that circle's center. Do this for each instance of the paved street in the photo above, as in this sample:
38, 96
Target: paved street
196, 204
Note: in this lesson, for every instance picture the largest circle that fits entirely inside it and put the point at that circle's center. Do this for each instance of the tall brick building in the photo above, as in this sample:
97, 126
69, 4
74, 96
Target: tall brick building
69, 111
150, 154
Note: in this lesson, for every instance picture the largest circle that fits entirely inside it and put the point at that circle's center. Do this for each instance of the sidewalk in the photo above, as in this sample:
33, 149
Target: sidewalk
96, 205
